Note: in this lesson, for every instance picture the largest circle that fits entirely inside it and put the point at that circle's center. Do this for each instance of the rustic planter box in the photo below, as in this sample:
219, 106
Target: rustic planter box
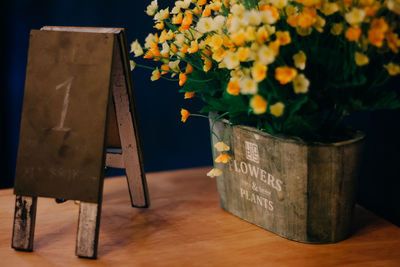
303, 192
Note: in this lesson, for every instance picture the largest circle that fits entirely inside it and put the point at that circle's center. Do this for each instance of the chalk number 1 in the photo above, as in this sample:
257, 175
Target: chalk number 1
67, 84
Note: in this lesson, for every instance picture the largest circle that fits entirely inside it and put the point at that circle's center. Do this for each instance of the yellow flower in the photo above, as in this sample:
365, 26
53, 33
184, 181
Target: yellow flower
152, 8
355, 16
159, 26
301, 84
329, 8
248, 86
221, 147
189, 95
258, 104
274, 46
394, 5
243, 53
219, 54
136, 48
207, 64
300, 60
352, 34
233, 87
258, 71
337, 28
393, 69
277, 109
155, 75
283, 37
182, 78
279, 3
239, 38
216, 41
262, 35
285, 74
223, 158
215, 5
185, 114
361, 59
214, 172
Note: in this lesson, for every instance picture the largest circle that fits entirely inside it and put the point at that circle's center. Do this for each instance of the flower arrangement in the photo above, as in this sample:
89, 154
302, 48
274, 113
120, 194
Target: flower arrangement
286, 67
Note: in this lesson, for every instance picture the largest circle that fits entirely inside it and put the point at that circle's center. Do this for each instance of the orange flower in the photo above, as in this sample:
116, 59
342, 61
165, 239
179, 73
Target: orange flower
201, 2
223, 158
207, 64
194, 47
187, 20
233, 87
148, 55
393, 42
197, 10
272, 9
285, 74
164, 69
185, 114
376, 37
173, 48
182, 78
352, 34
206, 12
177, 19
189, 69
159, 26
189, 95
258, 104
283, 37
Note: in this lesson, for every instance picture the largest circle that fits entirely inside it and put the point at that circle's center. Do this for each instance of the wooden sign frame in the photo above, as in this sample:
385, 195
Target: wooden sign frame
122, 132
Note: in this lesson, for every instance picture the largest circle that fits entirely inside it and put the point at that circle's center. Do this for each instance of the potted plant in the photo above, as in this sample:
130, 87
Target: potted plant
277, 77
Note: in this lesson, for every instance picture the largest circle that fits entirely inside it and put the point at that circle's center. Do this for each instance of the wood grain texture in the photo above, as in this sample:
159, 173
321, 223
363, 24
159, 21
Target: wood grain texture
128, 132
185, 226
24, 223
114, 160
299, 191
88, 230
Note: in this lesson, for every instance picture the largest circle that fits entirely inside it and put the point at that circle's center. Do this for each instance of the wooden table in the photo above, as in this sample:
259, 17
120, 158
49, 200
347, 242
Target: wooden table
185, 227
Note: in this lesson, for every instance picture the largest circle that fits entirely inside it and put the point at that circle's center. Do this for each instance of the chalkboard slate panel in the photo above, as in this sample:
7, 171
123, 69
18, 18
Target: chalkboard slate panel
64, 116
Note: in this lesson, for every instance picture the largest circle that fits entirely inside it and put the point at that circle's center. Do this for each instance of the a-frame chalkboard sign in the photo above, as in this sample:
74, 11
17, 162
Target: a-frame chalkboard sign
78, 103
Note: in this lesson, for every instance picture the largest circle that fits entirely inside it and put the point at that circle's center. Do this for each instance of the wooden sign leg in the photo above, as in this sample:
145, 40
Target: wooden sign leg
88, 230
130, 150
24, 223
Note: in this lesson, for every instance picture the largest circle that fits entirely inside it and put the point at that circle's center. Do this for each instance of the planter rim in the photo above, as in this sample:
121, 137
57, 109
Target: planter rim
357, 137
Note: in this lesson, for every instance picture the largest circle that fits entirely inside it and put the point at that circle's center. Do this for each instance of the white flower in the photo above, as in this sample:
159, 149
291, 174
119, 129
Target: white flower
300, 84
267, 17
152, 8
183, 4
355, 16
136, 48
252, 17
394, 5
231, 60
205, 25
161, 15
219, 22
248, 86
179, 39
132, 64
221, 146
165, 48
149, 39
174, 66
266, 55
238, 10
214, 172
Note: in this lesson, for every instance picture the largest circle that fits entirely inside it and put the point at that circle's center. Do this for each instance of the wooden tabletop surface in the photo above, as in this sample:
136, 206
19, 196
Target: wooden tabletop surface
185, 227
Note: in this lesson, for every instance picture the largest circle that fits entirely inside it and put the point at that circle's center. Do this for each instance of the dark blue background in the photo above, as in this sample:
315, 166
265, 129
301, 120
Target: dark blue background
168, 143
